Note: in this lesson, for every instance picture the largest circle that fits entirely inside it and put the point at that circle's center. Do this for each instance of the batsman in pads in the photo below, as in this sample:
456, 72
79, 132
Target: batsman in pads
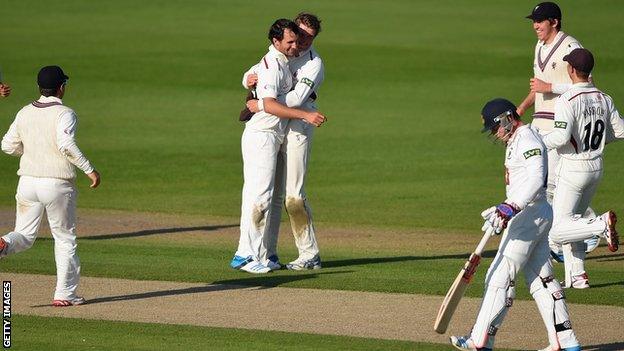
524, 219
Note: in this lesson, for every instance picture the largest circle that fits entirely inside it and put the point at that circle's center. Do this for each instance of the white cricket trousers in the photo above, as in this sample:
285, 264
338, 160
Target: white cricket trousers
290, 176
58, 198
524, 247
259, 151
577, 182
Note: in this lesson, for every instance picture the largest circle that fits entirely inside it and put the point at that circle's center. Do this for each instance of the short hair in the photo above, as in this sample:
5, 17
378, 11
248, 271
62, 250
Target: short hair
277, 29
309, 20
48, 92
581, 74
551, 20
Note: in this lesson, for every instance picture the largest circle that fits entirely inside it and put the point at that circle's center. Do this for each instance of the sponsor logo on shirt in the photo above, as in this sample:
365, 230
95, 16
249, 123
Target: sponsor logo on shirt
531, 153
561, 124
307, 82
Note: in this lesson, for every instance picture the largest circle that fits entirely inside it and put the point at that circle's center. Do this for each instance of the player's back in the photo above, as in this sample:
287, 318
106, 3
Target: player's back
591, 109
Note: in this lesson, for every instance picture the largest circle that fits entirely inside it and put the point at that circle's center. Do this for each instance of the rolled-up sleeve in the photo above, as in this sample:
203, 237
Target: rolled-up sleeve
11, 142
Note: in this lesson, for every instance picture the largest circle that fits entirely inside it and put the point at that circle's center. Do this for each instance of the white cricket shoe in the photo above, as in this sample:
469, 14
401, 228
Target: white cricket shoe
466, 343
300, 265
69, 302
580, 281
610, 233
255, 267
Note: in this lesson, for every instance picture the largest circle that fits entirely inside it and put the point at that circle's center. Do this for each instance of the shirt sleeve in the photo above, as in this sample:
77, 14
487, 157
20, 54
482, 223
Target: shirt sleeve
268, 78
310, 78
562, 130
11, 142
65, 131
252, 70
533, 155
616, 123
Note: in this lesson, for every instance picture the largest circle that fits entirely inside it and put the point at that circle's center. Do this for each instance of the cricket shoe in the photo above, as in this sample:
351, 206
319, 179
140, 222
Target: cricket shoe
580, 281
300, 265
70, 302
239, 261
255, 267
466, 343
274, 263
610, 233
573, 348
3, 246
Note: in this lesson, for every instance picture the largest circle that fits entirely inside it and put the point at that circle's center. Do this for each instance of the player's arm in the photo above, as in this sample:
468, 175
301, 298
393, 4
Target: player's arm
533, 155
562, 130
65, 133
11, 142
616, 123
272, 106
310, 78
250, 78
528, 101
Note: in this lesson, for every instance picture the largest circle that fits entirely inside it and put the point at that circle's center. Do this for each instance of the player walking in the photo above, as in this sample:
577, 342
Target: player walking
526, 216
292, 162
583, 116
549, 81
43, 136
260, 144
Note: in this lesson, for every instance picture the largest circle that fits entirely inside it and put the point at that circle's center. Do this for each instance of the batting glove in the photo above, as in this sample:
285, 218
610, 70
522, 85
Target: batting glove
501, 217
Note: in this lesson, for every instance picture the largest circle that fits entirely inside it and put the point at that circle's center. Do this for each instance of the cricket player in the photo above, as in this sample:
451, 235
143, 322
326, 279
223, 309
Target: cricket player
263, 136
549, 81
524, 218
42, 135
292, 162
583, 115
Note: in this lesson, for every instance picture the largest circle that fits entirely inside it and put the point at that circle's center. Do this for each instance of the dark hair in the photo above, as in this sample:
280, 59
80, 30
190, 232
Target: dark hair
309, 20
277, 29
551, 20
581, 74
48, 92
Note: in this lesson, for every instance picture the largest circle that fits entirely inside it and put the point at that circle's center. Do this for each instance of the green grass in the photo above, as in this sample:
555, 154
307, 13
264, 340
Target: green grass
156, 86
48, 333
394, 271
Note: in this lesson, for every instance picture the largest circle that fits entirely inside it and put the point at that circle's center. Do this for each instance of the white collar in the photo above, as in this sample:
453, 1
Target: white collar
48, 99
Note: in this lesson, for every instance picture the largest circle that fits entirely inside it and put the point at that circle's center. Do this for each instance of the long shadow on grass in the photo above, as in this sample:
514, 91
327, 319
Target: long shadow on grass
377, 260
222, 285
152, 232
621, 282
616, 346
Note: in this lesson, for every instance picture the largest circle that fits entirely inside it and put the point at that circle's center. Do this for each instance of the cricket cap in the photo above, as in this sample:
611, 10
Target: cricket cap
545, 10
581, 59
51, 77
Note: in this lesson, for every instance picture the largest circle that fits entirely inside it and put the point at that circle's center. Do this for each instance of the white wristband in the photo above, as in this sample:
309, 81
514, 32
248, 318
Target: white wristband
261, 104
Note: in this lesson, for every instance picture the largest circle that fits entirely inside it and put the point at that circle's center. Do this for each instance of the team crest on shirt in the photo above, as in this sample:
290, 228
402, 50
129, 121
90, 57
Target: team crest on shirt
554, 64
561, 124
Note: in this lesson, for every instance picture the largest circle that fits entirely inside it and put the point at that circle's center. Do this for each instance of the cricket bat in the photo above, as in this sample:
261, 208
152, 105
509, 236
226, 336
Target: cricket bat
456, 292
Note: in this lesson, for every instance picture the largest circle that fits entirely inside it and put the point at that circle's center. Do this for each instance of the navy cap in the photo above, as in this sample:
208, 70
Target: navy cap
581, 59
492, 111
545, 10
51, 77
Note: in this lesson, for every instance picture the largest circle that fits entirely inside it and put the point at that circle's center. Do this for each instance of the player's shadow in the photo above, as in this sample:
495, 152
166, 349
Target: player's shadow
148, 232
378, 260
615, 346
606, 258
266, 281
621, 282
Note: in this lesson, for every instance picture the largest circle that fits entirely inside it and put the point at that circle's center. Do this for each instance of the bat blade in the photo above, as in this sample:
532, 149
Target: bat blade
455, 294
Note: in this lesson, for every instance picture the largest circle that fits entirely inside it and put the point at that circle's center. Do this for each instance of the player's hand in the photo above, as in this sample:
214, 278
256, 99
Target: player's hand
252, 105
314, 118
5, 90
252, 79
501, 216
539, 86
95, 179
